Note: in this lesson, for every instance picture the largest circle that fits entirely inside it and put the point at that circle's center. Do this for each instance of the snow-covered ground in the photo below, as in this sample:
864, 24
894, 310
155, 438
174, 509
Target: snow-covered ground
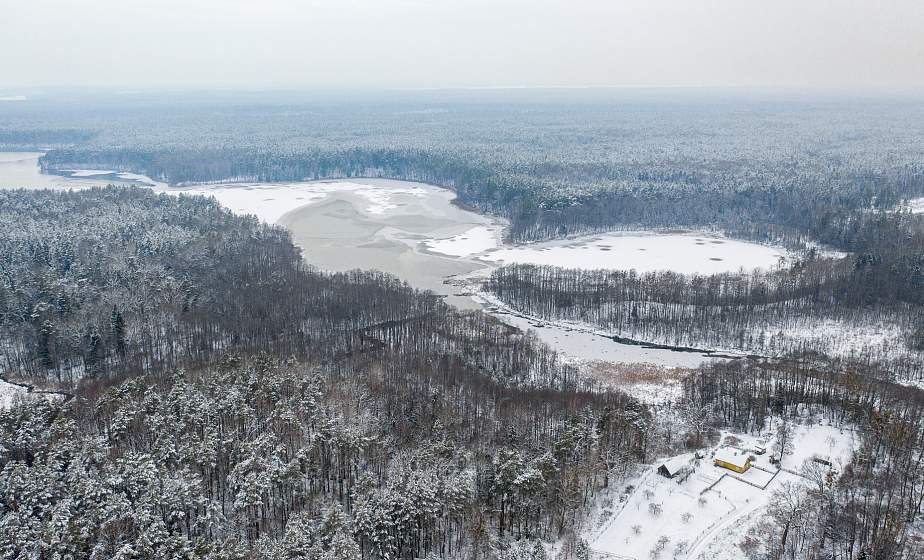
836, 337
688, 253
11, 393
654, 385
915, 206
707, 514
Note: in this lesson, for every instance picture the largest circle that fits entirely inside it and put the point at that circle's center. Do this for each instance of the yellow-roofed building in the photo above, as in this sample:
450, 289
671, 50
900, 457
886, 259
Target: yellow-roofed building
732, 459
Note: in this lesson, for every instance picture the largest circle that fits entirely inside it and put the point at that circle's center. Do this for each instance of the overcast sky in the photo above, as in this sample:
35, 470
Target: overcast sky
461, 43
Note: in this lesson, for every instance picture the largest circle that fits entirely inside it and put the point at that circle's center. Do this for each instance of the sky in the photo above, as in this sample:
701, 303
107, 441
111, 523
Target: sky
292, 44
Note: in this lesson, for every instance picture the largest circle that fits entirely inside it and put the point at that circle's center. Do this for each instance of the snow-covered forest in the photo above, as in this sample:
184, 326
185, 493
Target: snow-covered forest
180, 382
228, 399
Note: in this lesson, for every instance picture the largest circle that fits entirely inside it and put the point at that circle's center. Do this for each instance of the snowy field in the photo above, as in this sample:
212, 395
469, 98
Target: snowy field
688, 253
706, 515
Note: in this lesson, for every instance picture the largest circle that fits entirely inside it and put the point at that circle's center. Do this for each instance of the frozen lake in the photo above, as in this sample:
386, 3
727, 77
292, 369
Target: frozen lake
683, 252
20, 170
415, 232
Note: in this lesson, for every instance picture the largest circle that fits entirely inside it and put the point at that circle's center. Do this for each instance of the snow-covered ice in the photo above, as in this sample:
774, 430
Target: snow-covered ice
270, 201
476, 240
9, 393
88, 172
688, 253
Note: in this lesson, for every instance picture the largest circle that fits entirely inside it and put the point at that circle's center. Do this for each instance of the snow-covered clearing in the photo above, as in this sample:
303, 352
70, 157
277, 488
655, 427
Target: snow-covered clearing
841, 338
11, 393
711, 510
688, 253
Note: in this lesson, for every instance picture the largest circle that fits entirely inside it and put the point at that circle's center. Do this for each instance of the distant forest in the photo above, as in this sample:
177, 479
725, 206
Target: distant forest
761, 167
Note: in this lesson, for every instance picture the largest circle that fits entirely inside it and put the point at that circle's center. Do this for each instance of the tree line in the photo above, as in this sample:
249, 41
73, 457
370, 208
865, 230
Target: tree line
768, 312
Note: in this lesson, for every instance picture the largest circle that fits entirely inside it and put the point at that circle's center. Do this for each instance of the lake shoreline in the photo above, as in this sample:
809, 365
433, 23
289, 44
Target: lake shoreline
423, 235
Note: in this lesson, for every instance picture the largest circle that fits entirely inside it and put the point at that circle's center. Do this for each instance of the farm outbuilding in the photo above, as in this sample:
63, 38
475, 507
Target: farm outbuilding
678, 468
672, 467
732, 459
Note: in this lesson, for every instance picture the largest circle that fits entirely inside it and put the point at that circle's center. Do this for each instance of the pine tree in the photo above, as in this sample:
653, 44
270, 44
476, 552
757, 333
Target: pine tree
117, 331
